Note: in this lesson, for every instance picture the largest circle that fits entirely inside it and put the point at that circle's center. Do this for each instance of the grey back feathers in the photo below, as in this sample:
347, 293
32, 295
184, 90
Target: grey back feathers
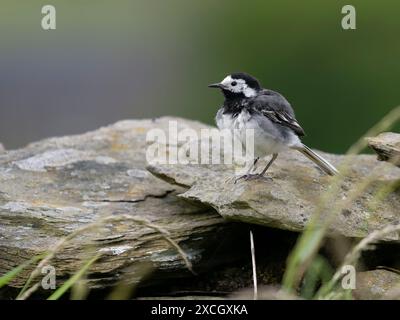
274, 106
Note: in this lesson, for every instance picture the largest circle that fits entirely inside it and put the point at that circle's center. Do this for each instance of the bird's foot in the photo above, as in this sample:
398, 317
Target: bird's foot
248, 177
229, 179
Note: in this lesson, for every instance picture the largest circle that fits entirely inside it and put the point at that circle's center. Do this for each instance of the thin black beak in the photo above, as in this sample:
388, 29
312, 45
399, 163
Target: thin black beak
215, 85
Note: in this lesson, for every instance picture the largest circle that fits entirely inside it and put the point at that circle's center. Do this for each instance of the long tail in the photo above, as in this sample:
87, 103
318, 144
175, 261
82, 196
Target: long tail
317, 159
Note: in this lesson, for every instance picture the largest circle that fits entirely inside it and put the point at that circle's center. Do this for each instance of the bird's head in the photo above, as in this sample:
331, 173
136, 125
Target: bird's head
238, 85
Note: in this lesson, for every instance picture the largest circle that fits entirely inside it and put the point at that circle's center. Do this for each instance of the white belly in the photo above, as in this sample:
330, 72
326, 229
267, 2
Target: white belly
244, 127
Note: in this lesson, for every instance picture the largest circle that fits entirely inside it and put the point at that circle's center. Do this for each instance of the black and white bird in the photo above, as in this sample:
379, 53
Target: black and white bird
249, 106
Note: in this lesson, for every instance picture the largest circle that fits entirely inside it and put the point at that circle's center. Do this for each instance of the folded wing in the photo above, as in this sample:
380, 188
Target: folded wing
277, 109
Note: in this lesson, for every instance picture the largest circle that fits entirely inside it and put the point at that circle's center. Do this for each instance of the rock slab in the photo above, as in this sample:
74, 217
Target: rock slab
56, 186
387, 146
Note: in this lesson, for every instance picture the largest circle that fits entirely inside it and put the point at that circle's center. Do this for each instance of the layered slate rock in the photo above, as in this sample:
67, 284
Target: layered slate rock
56, 186
387, 146
378, 284
366, 198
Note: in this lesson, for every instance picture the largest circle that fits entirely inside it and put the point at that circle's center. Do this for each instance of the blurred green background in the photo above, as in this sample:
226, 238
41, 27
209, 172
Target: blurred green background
111, 60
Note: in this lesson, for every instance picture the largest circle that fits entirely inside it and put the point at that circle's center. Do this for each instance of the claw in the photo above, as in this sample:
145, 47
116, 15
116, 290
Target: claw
248, 177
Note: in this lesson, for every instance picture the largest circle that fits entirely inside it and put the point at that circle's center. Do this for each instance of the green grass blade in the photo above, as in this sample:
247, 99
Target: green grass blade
71, 281
319, 271
311, 239
9, 276
29, 280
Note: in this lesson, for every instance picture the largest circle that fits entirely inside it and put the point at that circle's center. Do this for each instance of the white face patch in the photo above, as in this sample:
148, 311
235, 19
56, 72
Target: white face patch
240, 87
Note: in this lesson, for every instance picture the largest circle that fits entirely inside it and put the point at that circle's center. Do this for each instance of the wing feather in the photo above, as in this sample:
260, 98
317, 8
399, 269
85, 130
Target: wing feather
277, 109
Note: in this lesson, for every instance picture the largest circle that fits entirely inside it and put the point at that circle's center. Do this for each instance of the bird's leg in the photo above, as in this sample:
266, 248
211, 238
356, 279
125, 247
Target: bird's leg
253, 167
274, 156
248, 174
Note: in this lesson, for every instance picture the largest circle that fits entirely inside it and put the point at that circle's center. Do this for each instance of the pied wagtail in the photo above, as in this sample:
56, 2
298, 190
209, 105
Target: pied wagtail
249, 106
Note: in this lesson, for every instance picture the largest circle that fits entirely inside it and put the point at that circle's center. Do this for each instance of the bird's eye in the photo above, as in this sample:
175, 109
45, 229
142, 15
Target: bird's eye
233, 83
